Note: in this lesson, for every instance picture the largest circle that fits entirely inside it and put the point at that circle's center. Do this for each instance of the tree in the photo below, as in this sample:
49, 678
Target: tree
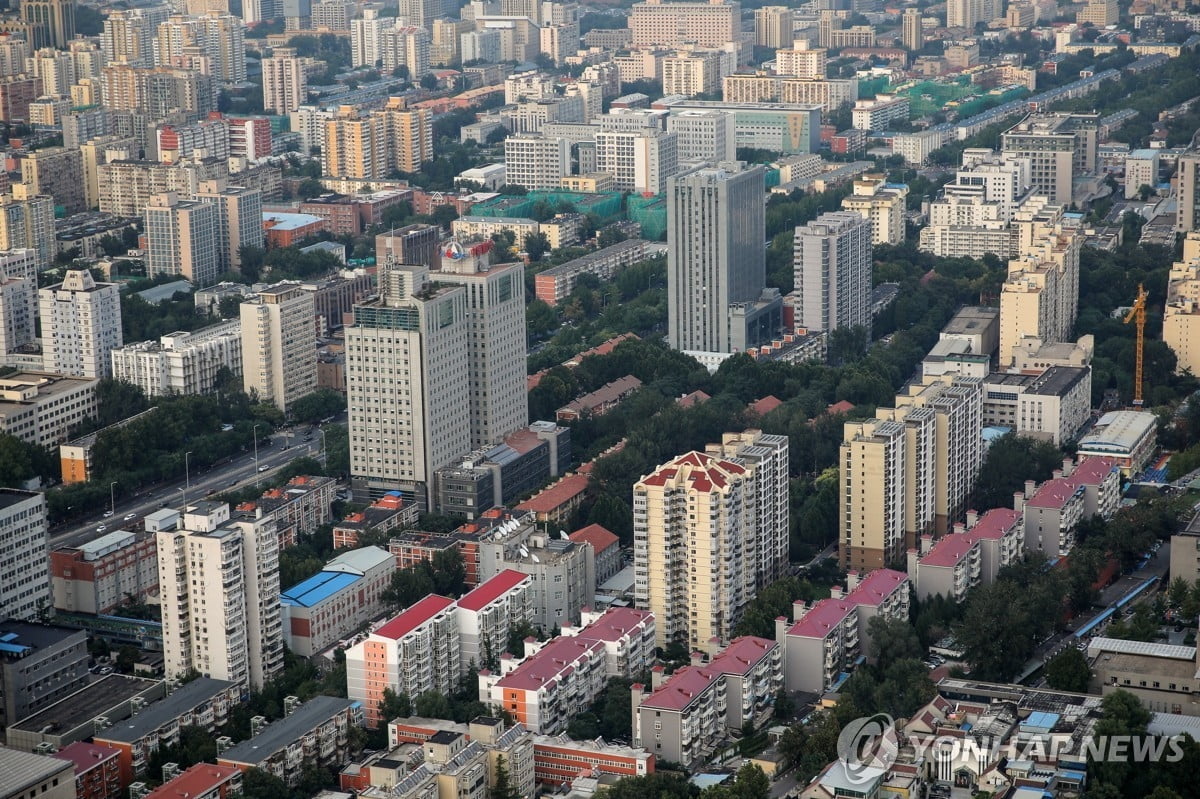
260, 784
434, 705
1011, 461
892, 640
394, 705
127, 658
1069, 671
659, 785
316, 406
536, 245
429, 81
503, 788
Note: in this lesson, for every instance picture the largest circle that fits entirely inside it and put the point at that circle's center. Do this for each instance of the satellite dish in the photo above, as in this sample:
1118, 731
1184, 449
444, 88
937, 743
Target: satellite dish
534, 558
524, 552
563, 535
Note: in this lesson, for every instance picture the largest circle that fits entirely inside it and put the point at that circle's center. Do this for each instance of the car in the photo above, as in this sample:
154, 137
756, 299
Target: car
107, 513
106, 670
232, 483
129, 516
101, 528
263, 468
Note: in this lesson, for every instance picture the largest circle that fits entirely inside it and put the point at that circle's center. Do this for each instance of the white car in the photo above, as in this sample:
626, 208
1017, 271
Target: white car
129, 516
101, 528
263, 468
107, 513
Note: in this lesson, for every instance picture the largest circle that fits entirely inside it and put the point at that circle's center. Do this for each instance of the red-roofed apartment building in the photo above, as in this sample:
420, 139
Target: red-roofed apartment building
685, 717
415, 652
561, 678
971, 555
1055, 508
97, 770
201, 781
606, 548
486, 614
555, 503
830, 634
386, 513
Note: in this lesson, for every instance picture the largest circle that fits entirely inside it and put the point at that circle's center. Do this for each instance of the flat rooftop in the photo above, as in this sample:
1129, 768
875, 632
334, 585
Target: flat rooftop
12, 496
278, 734
21, 637
21, 770
86, 704
171, 707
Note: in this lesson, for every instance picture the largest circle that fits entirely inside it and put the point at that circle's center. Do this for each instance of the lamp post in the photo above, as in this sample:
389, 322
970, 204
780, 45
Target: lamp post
187, 475
112, 498
254, 431
324, 455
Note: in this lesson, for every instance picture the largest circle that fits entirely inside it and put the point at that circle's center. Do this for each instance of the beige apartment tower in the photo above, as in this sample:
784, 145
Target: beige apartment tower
706, 24
773, 26
407, 376
279, 348
1181, 314
181, 239
81, 325
285, 85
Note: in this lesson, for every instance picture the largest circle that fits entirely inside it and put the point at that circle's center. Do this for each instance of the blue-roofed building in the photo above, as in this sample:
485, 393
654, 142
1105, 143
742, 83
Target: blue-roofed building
337, 600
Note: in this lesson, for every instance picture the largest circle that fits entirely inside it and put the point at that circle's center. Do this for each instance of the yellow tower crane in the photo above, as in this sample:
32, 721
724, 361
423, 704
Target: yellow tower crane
1137, 314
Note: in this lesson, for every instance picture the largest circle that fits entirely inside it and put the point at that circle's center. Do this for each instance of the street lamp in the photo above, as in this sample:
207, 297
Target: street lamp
112, 497
254, 431
187, 475
324, 456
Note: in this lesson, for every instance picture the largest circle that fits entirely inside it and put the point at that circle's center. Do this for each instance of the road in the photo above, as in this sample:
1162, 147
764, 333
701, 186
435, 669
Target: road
237, 473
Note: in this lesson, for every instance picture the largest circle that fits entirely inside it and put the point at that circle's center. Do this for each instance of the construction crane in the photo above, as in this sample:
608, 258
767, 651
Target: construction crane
1137, 314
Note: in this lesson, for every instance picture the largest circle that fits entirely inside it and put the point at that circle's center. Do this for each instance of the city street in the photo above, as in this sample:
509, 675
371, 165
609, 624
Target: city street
238, 473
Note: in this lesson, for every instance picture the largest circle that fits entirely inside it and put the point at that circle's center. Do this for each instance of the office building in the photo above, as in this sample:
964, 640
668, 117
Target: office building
239, 220
81, 325
42, 407
98, 576
279, 353
683, 718
415, 652
23, 774
773, 26
883, 204
285, 83
972, 555
711, 24
639, 161
406, 370
787, 128
314, 733
219, 579
1052, 406
704, 136
1098, 13
39, 663
727, 493
337, 600
536, 162
411, 244
499, 475
715, 224
832, 257
912, 35
181, 239
1060, 148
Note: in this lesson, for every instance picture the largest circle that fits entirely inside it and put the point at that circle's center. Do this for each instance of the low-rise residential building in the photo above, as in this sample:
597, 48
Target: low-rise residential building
97, 770
337, 600
1185, 552
685, 717
829, 635
41, 407
28, 775
202, 702
181, 362
1051, 406
606, 550
556, 283
600, 401
449, 764
626, 634
201, 781
415, 652
389, 512
486, 615
39, 665
316, 732
1127, 436
299, 506
970, 556
1053, 511
104, 573
111, 699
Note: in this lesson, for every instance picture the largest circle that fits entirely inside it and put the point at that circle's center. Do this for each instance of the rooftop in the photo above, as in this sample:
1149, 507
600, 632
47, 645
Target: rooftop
1119, 431
20, 638
275, 220
687, 683
553, 497
606, 394
22, 770
359, 560
85, 755
318, 588
950, 549
763, 406
157, 714
596, 535
614, 624
1121, 646
81, 707
492, 590
198, 779
279, 734
557, 659
702, 471
876, 587
823, 617
416, 615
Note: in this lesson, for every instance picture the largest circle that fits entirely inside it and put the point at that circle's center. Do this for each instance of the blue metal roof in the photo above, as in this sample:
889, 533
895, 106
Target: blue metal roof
318, 588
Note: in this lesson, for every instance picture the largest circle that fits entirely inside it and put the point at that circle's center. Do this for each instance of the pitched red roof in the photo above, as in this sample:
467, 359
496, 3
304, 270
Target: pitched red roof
596, 535
821, 618
614, 624
1053, 493
554, 661
550, 499
196, 780
416, 615
842, 406
491, 590
85, 755
765, 405
876, 587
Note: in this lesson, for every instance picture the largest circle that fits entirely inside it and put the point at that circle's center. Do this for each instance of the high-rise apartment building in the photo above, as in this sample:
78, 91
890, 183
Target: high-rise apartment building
219, 579
56, 172
912, 35
409, 133
715, 229
690, 74
832, 259
181, 363
365, 35
285, 84
81, 325
18, 300
24, 559
27, 221
882, 204
969, 13
1040, 298
709, 529
1060, 148
181, 239
496, 394
536, 162
372, 145
279, 350
801, 61
128, 35
52, 22
406, 375
1188, 192
703, 136
239, 221
422, 13
639, 161
1181, 314
707, 24
773, 26
405, 46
